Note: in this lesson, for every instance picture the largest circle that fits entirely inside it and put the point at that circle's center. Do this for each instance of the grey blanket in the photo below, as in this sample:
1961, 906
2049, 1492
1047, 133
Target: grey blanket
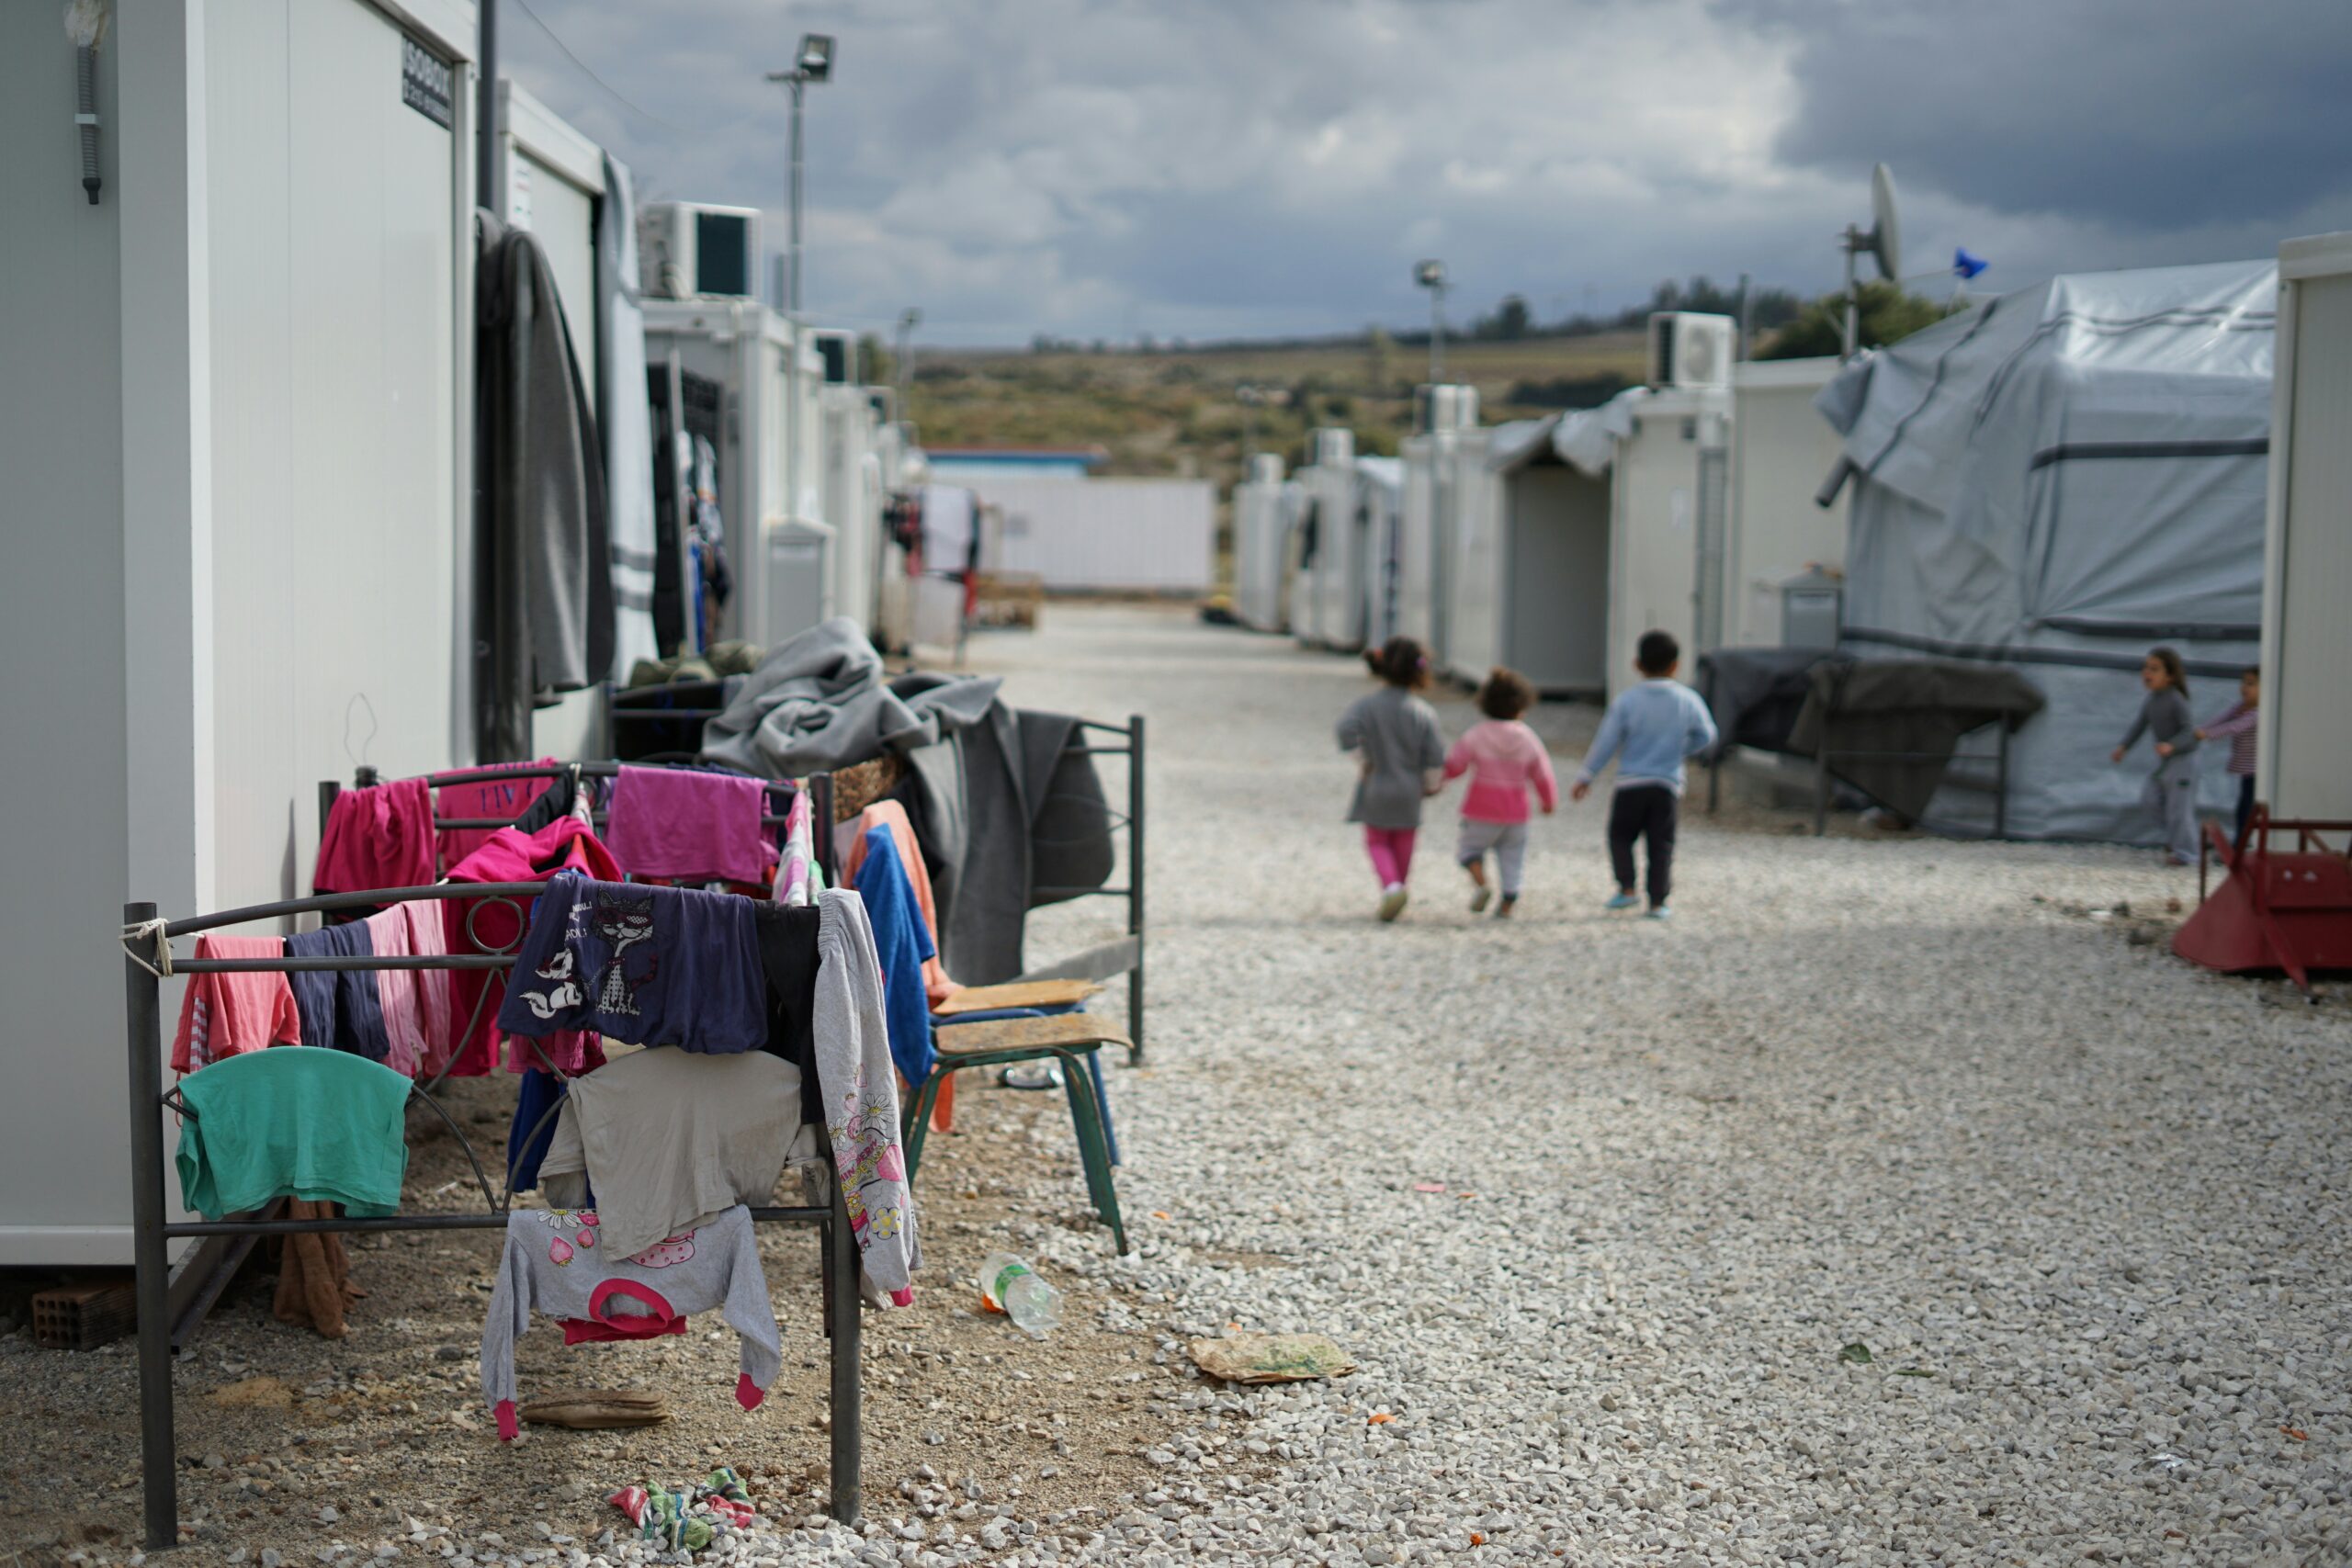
819, 702
1920, 706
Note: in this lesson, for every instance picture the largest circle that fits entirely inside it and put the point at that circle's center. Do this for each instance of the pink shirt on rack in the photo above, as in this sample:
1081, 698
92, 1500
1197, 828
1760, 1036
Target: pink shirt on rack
1504, 760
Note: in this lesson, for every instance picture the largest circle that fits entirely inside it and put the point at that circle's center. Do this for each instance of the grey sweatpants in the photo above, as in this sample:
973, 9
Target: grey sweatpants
2171, 794
1507, 840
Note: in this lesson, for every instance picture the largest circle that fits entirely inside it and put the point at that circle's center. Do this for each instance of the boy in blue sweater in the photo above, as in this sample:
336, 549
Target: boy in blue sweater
1649, 729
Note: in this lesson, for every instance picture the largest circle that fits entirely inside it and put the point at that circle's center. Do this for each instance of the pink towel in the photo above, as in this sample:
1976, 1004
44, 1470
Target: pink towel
378, 836
415, 1002
692, 827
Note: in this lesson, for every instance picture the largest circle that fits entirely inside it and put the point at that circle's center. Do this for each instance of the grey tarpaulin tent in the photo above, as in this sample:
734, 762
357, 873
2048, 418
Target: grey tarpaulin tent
2059, 479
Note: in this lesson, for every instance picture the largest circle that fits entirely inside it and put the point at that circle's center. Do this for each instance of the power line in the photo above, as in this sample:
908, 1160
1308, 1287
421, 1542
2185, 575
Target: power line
585, 69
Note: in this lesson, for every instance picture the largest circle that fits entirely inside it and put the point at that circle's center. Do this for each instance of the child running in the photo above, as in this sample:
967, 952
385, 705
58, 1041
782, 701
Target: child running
1504, 760
2171, 790
1655, 724
1395, 736
2239, 724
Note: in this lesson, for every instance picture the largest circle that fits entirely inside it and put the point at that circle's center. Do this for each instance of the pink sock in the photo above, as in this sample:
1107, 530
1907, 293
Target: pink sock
747, 1394
507, 1426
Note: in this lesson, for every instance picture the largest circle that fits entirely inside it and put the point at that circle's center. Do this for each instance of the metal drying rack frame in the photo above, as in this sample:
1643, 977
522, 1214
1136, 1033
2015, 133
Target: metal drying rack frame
151, 1233
1106, 961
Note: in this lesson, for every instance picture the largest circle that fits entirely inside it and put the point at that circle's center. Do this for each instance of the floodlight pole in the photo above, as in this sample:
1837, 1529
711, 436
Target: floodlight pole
798, 82
904, 368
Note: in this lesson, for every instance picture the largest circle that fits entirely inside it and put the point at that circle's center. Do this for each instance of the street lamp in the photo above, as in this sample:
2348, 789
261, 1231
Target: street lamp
814, 64
904, 366
1430, 275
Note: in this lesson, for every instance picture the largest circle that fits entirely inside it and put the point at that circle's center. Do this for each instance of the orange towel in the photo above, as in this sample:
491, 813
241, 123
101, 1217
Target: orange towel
848, 846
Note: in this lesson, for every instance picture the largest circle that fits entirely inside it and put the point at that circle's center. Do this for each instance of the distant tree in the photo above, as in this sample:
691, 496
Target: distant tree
875, 363
1888, 315
1511, 320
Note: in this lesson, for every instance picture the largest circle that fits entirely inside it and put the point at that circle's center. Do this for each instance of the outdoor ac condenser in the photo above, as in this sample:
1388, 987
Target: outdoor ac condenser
1691, 350
1444, 408
688, 249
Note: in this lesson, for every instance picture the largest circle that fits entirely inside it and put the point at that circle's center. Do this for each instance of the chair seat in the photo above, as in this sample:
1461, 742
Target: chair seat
1055, 1032
1016, 994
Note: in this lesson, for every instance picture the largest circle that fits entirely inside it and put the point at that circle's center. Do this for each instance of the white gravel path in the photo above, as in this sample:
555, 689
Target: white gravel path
2083, 1205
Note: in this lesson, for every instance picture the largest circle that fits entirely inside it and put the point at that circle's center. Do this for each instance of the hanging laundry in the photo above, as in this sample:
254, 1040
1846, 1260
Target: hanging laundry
377, 836
666, 1138
565, 844
567, 795
544, 592
293, 1122
226, 1015
340, 1007
558, 1263
798, 876
314, 1274
854, 1067
690, 825
849, 840
494, 797
414, 1002
903, 943
787, 937
647, 965
537, 1094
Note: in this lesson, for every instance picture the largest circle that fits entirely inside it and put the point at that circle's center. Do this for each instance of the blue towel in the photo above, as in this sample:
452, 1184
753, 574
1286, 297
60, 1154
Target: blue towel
902, 941
339, 1008
540, 1093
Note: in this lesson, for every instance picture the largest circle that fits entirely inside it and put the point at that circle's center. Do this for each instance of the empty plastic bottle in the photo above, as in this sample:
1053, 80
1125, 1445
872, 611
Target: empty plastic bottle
1014, 1289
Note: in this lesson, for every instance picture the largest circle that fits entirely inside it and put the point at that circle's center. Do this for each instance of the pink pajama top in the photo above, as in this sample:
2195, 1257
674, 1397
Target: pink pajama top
1504, 760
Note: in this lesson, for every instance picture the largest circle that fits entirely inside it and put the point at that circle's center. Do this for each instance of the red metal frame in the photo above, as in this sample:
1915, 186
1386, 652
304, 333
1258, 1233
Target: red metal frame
2279, 908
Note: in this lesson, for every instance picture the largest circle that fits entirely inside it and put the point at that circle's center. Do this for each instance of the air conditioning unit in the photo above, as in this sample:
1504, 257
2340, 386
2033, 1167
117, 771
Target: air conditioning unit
686, 249
1444, 408
1265, 467
1691, 350
1334, 448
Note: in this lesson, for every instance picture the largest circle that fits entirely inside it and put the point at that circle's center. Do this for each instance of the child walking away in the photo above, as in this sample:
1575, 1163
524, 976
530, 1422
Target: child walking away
1649, 728
1504, 760
2239, 724
1395, 736
2171, 791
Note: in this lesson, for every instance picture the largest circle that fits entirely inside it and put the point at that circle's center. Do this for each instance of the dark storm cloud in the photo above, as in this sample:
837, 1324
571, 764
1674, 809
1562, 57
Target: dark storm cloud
2150, 114
1104, 168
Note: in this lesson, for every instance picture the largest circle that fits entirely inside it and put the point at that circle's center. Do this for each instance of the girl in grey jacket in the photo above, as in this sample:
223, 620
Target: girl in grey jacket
2171, 791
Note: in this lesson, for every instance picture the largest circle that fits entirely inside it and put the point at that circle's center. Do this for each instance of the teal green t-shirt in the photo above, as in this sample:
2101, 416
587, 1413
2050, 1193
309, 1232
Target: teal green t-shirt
293, 1121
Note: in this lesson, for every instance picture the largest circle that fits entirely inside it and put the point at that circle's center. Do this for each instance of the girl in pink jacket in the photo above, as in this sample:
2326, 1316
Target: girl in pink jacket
1504, 760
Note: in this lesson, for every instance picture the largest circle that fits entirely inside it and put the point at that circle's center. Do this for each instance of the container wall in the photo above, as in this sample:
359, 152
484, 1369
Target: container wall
1782, 450
335, 411
1654, 537
1147, 536
2308, 741
65, 1178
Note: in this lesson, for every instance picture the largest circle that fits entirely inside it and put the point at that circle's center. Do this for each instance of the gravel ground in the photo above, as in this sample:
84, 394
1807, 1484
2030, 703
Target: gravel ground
1902, 1202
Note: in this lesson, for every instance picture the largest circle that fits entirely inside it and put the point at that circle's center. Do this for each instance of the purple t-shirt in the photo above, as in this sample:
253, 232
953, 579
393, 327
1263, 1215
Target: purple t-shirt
647, 965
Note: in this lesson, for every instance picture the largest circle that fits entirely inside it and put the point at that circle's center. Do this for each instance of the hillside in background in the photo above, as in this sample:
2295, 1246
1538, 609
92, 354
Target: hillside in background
1176, 412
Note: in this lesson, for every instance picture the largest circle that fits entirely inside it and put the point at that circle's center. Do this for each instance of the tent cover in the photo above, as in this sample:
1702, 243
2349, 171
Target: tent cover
2058, 480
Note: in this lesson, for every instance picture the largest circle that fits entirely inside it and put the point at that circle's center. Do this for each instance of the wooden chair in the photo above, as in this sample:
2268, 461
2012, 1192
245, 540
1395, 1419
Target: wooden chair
1069, 1038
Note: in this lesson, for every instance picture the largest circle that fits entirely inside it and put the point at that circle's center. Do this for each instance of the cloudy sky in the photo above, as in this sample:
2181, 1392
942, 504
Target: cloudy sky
1214, 168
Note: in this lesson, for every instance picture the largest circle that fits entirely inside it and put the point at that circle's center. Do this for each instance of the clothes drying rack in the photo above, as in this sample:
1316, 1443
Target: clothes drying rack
148, 960
1105, 961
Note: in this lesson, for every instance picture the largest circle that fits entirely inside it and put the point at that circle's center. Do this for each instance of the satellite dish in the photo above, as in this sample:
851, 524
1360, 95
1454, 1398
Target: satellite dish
1886, 230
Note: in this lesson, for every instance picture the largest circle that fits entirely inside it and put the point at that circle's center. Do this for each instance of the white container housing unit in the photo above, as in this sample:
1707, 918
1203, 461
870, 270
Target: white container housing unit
1119, 535
1530, 585
1264, 507
771, 424
1379, 519
237, 438
1328, 601
2305, 767
1669, 527
1425, 514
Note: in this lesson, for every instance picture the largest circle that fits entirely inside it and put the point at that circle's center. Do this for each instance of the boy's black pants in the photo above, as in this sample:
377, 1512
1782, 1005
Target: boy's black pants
1644, 811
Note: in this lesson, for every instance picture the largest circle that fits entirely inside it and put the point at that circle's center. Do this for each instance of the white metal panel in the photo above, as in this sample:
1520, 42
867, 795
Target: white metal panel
562, 217
64, 1147
1260, 544
1653, 541
1473, 547
852, 498
1337, 575
1150, 535
1555, 576
2306, 766
334, 410
1782, 450
1415, 543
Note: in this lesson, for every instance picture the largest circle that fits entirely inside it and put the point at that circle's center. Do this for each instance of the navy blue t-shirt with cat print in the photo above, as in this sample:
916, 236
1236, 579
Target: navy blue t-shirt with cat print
645, 965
